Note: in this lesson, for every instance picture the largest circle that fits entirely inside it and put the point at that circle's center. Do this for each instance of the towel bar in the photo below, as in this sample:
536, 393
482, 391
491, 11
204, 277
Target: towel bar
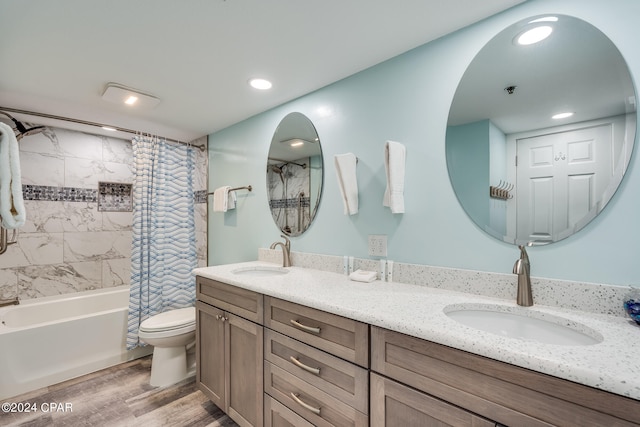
247, 187
4, 240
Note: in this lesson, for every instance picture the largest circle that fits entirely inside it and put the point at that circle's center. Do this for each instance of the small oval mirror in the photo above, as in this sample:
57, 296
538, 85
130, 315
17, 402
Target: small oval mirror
522, 171
294, 174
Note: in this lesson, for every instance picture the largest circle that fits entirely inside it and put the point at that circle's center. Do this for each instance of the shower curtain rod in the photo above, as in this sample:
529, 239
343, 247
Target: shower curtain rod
87, 123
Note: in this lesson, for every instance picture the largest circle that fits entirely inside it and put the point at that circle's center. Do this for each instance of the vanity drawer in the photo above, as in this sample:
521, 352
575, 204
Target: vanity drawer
278, 415
337, 377
313, 404
233, 299
503, 392
342, 337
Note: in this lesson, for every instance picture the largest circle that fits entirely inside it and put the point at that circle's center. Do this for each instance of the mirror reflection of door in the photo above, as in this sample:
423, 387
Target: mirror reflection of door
509, 99
559, 178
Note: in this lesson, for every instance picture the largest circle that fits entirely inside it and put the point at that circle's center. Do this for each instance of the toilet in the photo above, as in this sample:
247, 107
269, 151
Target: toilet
172, 334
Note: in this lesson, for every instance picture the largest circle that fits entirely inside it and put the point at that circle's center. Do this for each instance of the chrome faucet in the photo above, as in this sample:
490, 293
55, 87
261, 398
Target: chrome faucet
522, 268
286, 250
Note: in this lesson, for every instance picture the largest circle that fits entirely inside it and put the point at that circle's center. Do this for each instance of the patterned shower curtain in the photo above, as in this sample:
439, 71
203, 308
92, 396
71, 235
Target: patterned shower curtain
164, 249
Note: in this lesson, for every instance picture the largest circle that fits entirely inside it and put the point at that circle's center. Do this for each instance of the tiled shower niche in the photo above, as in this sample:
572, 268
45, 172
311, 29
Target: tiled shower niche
115, 197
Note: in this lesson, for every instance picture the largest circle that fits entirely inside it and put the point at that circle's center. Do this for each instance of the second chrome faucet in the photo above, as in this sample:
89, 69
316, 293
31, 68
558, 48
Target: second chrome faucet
286, 250
522, 268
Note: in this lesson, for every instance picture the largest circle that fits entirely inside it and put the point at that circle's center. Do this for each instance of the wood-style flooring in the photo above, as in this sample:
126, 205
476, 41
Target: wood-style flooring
118, 396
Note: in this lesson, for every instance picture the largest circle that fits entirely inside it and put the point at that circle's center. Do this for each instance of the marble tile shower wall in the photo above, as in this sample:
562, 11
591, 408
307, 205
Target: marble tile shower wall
289, 192
67, 244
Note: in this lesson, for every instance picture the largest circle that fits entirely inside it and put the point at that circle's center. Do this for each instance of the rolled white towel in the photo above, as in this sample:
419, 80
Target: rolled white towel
221, 199
347, 181
12, 208
394, 158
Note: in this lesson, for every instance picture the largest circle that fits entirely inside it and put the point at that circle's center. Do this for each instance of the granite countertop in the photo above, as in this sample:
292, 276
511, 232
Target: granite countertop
612, 365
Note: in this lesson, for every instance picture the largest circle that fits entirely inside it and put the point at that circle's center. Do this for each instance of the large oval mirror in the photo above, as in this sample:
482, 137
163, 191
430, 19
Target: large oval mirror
522, 169
294, 174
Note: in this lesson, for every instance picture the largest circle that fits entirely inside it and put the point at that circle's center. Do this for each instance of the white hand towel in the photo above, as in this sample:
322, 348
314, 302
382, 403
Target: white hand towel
221, 199
394, 157
231, 200
12, 208
347, 181
363, 276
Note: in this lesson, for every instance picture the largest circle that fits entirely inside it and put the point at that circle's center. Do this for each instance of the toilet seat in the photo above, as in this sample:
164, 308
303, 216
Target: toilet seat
172, 322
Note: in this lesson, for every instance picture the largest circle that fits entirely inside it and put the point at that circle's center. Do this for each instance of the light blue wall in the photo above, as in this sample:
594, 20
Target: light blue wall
407, 100
468, 161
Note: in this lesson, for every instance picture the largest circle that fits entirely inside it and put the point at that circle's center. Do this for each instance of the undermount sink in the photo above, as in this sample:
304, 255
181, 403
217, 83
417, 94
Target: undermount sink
524, 324
261, 271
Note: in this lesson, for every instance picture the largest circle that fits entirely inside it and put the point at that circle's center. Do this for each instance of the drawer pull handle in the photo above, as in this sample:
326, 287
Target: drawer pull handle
305, 328
301, 365
305, 405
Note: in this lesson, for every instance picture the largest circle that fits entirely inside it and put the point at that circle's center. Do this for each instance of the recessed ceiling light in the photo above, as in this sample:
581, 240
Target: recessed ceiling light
260, 84
561, 116
534, 35
109, 128
120, 94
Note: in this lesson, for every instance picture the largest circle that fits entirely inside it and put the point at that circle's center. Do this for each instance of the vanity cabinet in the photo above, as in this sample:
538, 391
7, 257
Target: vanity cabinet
423, 377
229, 349
274, 363
315, 366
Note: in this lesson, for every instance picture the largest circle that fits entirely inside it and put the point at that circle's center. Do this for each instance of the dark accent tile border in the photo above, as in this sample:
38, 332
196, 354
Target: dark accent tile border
200, 196
59, 194
289, 203
74, 194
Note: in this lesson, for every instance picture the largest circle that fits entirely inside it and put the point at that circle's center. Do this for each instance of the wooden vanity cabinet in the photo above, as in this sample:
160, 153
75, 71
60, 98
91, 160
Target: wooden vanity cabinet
307, 367
487, 388
315, 366
229, 349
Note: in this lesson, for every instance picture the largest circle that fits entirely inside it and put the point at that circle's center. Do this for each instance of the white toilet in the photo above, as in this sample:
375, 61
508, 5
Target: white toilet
172, 334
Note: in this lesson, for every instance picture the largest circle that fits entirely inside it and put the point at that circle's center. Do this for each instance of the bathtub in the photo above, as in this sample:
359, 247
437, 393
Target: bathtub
48, 340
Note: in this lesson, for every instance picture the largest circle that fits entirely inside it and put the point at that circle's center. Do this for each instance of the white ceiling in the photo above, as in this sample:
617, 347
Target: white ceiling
197, 55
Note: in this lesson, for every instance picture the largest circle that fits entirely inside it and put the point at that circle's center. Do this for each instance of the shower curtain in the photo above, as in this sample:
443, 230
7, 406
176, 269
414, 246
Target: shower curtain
164, 249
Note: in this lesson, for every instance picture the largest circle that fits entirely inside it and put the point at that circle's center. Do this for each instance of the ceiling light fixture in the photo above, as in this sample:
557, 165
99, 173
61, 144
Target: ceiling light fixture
109, 128
260, 84
120, 94
545, 19
561, 116
296, 142
534, 35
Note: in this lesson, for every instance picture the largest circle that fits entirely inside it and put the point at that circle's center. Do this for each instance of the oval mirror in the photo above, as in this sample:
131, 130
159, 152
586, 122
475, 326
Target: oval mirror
294, 174
539, 135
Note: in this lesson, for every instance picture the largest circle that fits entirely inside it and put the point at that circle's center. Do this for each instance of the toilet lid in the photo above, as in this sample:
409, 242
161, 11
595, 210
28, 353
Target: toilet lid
172, 319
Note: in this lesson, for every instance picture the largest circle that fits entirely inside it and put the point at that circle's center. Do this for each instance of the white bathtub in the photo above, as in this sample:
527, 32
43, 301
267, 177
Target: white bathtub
48, 340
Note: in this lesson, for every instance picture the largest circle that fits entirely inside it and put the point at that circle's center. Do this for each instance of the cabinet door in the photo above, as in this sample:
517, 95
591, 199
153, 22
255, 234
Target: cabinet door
210, 354
393, 404
244, 348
